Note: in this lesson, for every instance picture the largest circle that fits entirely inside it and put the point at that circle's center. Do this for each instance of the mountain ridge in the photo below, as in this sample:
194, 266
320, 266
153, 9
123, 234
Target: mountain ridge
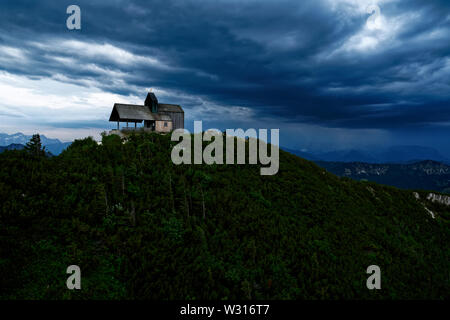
12, 146
422, 175
393, 154
54, 146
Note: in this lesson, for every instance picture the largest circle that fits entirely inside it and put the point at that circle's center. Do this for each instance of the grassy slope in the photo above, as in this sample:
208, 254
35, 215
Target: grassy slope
141, 227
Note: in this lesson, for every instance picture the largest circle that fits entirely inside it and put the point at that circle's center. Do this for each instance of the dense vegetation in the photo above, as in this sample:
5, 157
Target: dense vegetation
140, 227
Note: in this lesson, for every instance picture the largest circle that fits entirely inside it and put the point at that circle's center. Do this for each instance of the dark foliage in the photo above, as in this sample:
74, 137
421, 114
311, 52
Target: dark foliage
34, 146
140, 227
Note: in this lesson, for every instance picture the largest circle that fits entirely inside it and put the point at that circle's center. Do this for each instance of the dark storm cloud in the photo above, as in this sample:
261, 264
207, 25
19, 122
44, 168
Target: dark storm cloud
296, 61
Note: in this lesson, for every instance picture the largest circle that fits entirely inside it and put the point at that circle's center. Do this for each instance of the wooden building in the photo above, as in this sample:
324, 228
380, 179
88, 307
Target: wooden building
158, 117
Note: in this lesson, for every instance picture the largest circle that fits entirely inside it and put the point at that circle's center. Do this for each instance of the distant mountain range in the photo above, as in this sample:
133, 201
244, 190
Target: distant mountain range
395, 154
19, 140
423, 175
13, 146
406, 167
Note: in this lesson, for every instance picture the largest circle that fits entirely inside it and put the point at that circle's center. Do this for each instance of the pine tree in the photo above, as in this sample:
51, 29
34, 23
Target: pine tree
34, 146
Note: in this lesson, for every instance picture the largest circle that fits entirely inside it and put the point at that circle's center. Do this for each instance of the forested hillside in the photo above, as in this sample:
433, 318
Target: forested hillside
140, 227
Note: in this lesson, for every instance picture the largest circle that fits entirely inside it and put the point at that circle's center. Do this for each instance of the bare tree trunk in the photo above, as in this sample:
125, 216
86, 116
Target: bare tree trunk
123, 184
106, 201
133, 214
190, 201
203, 204
186, 205
171, 193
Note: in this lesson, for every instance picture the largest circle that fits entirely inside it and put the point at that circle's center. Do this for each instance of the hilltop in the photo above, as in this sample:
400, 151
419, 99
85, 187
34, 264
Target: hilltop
140, 227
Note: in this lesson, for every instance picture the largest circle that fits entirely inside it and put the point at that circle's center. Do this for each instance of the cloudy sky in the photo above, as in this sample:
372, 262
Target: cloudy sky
330, 74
